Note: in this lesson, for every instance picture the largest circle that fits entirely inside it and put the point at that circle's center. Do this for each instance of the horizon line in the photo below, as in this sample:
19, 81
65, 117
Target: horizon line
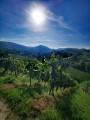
47, 46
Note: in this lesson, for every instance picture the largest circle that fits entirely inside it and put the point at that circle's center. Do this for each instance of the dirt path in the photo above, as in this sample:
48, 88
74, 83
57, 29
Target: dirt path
4, 110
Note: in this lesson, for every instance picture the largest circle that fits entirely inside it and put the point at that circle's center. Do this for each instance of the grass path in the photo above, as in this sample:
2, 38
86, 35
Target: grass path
4, 110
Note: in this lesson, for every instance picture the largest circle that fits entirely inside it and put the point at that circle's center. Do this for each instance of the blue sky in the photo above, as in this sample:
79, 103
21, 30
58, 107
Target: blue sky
65, 23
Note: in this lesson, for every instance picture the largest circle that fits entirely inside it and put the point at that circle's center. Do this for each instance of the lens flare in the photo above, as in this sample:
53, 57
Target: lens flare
37, 16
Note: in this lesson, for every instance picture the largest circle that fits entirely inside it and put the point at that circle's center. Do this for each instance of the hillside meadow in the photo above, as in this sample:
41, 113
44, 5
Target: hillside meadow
43, 90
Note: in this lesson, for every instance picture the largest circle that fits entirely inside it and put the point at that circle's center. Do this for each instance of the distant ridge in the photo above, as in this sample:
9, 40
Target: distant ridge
21, 49
15, 46
11, 45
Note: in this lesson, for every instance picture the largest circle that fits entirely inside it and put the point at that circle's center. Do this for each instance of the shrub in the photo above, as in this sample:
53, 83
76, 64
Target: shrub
50, 114
9, 80
86, 87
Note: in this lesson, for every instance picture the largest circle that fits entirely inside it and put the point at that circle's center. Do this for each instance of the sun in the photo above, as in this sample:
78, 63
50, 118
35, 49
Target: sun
37, 16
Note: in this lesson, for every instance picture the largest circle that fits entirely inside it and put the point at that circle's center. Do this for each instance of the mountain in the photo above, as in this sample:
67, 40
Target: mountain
42, 49
14, 48
10, 45
17, 47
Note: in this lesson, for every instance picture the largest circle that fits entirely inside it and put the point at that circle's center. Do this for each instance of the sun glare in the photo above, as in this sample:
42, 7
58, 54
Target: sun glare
37, 16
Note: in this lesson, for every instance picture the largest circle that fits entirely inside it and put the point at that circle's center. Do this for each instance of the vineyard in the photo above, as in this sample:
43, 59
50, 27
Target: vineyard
43, 90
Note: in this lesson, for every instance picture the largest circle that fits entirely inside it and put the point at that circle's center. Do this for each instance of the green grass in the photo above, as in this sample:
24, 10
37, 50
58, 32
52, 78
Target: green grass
86, 86
50, 114
18, 98
77, 75
68, 104
74, 106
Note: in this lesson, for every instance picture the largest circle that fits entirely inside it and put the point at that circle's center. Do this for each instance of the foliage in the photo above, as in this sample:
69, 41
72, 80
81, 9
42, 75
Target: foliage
70, 102
50, 114
86, 86
74, 106
77, 75
9, 80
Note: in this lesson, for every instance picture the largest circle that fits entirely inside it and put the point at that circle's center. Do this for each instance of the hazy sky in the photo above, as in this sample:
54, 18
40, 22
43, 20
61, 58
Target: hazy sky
53, 23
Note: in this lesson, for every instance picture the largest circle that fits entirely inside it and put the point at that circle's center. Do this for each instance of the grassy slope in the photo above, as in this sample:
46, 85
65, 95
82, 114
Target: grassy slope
75, 106
77, 74
67, 104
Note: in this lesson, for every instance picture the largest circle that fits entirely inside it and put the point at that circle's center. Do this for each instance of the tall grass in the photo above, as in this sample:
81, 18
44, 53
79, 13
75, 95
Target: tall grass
68, 104
76, 106
77, 75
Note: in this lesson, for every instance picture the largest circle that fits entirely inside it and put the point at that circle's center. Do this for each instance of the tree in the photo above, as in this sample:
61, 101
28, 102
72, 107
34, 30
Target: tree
74, 57
14, 66
30, 70
82, 65
47, 76
3, 54
53, 78
6, 64
32, 67
88, 67
43, 59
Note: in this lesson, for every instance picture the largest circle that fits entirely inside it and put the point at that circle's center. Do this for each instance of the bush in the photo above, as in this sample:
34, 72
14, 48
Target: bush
9, 80
86, 87
50, 114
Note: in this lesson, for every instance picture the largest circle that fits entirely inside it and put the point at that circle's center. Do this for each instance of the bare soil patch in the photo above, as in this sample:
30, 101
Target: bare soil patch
4, 110
38, 106
8, 86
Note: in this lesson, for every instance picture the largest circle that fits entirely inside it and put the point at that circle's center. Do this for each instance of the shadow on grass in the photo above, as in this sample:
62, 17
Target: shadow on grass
2, 73
32, 91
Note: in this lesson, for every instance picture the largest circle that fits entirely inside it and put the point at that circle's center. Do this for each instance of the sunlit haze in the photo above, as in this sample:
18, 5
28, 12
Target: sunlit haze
37, 16
52, 23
